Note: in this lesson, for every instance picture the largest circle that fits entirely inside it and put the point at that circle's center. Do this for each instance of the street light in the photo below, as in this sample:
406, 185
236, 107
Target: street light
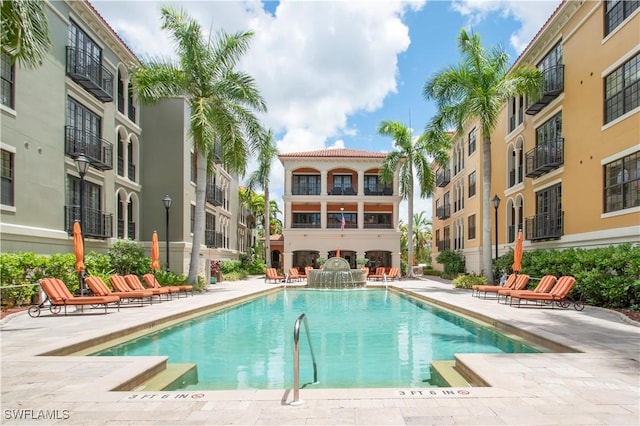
167, 205
496, 204
82, 163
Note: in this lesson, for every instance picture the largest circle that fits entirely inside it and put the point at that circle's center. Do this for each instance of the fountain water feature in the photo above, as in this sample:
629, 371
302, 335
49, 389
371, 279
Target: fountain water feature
336, 274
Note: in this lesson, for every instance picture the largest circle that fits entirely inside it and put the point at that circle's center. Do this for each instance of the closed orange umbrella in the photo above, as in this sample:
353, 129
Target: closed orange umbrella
517, 254
155, 252
78, 246
338, 253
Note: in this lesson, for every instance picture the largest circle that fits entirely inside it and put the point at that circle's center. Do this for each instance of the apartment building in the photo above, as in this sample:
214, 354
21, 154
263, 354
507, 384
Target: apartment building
566, 166
336, 204
76, 145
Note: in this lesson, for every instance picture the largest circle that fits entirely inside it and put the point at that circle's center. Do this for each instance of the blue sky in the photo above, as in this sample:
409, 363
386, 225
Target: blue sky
330, 71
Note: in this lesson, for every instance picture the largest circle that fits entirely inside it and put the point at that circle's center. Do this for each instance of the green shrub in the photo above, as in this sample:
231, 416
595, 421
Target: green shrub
253, 266
127, 257
453, 261
235, 276
432, 272
467, 281
229, 266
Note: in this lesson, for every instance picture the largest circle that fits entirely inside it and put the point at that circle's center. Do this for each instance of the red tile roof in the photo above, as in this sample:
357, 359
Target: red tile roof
334, 153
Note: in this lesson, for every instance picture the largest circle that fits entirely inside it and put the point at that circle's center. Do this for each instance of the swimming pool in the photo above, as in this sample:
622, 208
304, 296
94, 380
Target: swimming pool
361, 338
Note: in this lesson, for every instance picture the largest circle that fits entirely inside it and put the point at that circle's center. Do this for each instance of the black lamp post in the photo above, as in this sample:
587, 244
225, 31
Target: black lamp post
82, 163
496, 204
167, 205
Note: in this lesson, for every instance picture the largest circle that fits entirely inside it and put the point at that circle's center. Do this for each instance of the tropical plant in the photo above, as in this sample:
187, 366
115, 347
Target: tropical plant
412, 159
267, 153
477, 89
24, 32
222, 101
421, 236
127, 257
453, 261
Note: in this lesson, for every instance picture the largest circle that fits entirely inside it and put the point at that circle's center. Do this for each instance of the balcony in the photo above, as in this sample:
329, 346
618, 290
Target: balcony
545, 226
378, 226
89, 73
544, 157
95, 224
97, 150
214, 195
552, 86
213, 239
443, 177
305, 190
443, 245
443, 212
301, 225
337, 190
378, 190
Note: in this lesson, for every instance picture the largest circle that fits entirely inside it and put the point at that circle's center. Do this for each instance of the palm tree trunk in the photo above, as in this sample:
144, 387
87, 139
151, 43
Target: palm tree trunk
410, 226
487, 265
198, 220
267, 226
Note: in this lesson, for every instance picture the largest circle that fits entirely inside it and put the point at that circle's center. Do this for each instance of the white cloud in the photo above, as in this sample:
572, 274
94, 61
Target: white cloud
531, 14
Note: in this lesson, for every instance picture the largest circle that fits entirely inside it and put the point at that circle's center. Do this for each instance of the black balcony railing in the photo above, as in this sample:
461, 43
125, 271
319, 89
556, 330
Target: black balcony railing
443, 177
347, 190
544, 157
213, 239
97, 150
552, 86
305, 189
378, 190
300, 225
545, 226
95, 224
443, 212
89, 73
378, 226
214, 195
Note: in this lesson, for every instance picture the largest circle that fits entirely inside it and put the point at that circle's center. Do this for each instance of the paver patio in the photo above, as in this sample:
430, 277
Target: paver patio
597, 384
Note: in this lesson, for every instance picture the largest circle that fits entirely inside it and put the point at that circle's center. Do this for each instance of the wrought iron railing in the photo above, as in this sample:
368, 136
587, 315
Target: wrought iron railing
97, 150
88, 71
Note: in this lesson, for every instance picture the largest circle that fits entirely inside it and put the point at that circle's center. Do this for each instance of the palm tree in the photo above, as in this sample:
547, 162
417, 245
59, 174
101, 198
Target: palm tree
267, 152
24, 31
421, 233
477, 89
411, 159
222, 101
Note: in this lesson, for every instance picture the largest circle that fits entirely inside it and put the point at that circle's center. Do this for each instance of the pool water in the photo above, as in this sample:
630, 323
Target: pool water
361, 339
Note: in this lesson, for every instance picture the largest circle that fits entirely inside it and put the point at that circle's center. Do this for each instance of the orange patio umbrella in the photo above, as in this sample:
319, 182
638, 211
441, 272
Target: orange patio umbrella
338, 253
155, 252
78, 250
517, 254
78, 246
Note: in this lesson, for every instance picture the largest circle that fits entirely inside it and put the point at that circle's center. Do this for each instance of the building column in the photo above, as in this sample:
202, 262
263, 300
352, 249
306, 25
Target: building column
288, 217
323, 215
360, 215
323, 182
288, 189
360, 183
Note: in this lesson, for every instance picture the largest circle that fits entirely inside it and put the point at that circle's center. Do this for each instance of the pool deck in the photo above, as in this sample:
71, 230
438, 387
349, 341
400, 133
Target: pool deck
599, 384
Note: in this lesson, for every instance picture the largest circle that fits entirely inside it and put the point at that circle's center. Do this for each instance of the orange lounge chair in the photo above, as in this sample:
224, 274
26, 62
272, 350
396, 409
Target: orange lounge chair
378, 274
393, 274
99, 288
59, 295
544, 286
559, 295
483, 288
133, 282
151, 282
272, 275
294, 275
119, 284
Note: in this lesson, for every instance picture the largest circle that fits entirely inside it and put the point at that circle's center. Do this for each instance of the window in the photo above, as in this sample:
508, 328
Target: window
334, 220
472, 184
84, 123
616, 11
552, 59
377, 220
7, 76
622, 89
192, 218
622, 183
88, 50
6, 187
472, 141
472, 227
306, 185
342, 181
194, 168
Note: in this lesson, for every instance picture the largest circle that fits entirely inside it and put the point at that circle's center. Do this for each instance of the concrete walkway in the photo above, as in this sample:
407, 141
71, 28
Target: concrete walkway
597, 384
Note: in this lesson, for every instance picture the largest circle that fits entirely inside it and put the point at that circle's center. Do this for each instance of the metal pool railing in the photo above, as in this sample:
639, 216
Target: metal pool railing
296, 358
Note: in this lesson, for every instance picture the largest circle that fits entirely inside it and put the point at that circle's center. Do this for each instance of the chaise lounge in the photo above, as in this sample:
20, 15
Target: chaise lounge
133, 282
151, 282
273, 276
99, 288
559, 296
58, 295
544, 286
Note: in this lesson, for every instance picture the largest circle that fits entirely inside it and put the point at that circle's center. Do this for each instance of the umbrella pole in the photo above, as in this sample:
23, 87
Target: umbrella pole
81, 282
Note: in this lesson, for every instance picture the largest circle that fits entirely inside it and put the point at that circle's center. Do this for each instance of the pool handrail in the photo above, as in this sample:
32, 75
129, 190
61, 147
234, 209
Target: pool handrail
296, 358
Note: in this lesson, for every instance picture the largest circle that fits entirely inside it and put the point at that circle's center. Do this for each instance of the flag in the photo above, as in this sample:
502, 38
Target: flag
342, 223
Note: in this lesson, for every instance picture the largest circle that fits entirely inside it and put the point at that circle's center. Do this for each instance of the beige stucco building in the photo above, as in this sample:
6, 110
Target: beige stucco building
566, 167
334, 200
